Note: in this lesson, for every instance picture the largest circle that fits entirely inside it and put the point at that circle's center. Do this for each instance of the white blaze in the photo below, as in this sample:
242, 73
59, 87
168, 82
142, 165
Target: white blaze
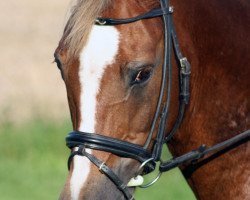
99, 52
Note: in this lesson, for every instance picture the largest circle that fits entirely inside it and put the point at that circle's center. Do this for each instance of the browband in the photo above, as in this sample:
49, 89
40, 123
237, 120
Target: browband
151, 14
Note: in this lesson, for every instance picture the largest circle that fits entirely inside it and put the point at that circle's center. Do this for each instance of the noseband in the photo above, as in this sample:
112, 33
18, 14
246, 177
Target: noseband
125, 149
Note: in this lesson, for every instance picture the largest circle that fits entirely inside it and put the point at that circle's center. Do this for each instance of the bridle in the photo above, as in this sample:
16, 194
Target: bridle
85, 140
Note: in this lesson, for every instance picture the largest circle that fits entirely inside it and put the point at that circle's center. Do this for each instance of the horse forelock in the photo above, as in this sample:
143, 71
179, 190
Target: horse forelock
81, 17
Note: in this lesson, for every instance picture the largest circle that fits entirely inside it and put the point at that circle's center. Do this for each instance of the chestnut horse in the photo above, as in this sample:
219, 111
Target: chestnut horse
113, 78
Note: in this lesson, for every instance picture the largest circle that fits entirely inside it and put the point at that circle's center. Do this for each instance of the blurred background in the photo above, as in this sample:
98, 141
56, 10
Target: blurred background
34, 116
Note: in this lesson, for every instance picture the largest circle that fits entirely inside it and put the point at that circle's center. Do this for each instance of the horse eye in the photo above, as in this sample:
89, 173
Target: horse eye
58, 63
142, 76
59, 66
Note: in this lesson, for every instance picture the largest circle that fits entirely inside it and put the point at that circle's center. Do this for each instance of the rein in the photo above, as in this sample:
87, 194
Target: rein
125, 149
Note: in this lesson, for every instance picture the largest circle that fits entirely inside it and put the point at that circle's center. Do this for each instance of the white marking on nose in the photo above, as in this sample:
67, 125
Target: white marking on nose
99, 52
80, 171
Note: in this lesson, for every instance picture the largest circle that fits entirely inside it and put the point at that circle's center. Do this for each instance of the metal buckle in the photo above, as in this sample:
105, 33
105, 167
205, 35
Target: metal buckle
100, 21
183, 62
151, 182
171, 9
168, 10
142, 165
140, 178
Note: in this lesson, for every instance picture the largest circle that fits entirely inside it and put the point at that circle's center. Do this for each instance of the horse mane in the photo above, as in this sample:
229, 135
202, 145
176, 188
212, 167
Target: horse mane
81, 18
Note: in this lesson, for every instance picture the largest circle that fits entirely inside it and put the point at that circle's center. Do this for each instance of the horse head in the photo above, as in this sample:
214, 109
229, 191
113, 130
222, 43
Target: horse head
113, 79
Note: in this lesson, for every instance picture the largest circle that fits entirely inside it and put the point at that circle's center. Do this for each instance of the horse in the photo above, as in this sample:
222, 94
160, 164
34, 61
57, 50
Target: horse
114, 75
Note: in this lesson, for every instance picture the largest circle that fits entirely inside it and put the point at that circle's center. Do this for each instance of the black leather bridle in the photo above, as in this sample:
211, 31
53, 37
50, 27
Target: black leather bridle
84, 140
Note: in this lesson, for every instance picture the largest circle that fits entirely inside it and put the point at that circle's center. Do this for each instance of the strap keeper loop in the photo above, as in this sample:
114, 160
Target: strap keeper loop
101, 167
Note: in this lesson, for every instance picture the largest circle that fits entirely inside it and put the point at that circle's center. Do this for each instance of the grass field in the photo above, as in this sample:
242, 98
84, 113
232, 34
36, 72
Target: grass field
33, 165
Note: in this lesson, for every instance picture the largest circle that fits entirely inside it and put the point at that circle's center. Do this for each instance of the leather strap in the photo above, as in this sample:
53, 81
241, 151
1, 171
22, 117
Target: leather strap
199, 153
112, 145
151, 14
159, 142
104, 169
184, 83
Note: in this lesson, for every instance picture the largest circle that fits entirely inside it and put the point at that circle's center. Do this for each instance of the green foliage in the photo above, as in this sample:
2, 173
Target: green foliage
33, 165
33, 161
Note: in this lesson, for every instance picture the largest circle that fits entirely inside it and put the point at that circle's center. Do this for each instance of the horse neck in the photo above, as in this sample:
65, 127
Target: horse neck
207, 42
219, 101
